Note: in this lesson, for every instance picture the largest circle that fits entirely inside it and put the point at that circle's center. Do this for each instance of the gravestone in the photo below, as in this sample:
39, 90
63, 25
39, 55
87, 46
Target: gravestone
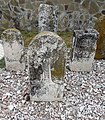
13, 49
100, 26
83, 49
2, 61
46, 63
1, 50
48, 18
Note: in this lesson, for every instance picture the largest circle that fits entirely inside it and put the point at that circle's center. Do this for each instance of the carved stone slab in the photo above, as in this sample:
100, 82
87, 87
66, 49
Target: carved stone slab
13, 49
46, 63
48, 18
83, 49
1, 50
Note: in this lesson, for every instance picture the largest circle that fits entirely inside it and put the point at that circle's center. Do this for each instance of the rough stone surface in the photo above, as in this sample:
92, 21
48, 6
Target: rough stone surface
65, 21
100, 26
13, 49
46, 64
83, 49
94, 8
48, 18
23, 14
1, 50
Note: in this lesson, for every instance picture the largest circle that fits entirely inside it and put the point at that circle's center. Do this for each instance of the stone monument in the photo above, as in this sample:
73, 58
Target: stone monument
48, 18
83, 49
100, 26
13, 49
46, 65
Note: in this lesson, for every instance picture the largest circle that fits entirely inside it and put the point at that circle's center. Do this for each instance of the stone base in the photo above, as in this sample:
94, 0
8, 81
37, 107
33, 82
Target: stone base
49, 92
81, 66
15, 66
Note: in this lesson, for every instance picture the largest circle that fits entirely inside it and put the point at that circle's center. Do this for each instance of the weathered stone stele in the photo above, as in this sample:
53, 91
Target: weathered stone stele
13, 49
46, 63
48, 18
83, 49
2, 61
1, 50
100, 26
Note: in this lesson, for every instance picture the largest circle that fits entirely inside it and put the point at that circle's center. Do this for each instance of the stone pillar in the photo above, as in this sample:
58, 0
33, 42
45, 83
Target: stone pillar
83, 49
1, 50
100, 26
13, 49
46, 65
48, 18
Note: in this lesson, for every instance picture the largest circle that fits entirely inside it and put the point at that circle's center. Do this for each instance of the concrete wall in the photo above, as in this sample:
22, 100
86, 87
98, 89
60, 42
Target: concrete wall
23, 14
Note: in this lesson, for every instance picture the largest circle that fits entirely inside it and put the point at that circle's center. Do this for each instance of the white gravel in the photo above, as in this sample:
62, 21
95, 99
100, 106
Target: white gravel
84, 97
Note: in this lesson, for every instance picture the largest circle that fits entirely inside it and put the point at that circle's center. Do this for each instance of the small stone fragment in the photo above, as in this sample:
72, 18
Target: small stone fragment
1, 50
10, 107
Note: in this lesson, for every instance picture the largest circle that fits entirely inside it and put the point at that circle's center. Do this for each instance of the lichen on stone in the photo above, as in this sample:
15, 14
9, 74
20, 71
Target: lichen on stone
46, 65
12, 34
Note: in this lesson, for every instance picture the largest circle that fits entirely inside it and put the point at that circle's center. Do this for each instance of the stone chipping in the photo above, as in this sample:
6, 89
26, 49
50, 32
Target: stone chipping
84, 97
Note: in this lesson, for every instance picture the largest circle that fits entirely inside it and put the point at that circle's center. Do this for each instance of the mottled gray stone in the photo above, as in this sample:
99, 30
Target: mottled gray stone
83, 49
46, 64
48, 18
1, 50
13, 49
65, 21
14, 12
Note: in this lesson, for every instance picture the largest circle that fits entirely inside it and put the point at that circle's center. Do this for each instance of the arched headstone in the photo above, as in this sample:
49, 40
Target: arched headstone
13, 49
83, 49
46, 63
48, 18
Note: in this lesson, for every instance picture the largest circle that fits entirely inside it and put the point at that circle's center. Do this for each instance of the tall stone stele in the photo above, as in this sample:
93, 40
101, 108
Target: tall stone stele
46, 63
13, 49
100, 26
83, 49
2, 61
48, 18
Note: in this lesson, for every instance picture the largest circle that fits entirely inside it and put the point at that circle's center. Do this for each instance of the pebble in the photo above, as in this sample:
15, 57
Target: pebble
10, 107
84, 97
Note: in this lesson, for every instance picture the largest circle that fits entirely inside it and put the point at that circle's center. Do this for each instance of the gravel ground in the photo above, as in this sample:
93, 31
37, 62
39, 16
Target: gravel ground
84, 97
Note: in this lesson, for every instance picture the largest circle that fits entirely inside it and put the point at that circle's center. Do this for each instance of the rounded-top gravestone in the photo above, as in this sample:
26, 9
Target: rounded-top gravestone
46, 63
13, 49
